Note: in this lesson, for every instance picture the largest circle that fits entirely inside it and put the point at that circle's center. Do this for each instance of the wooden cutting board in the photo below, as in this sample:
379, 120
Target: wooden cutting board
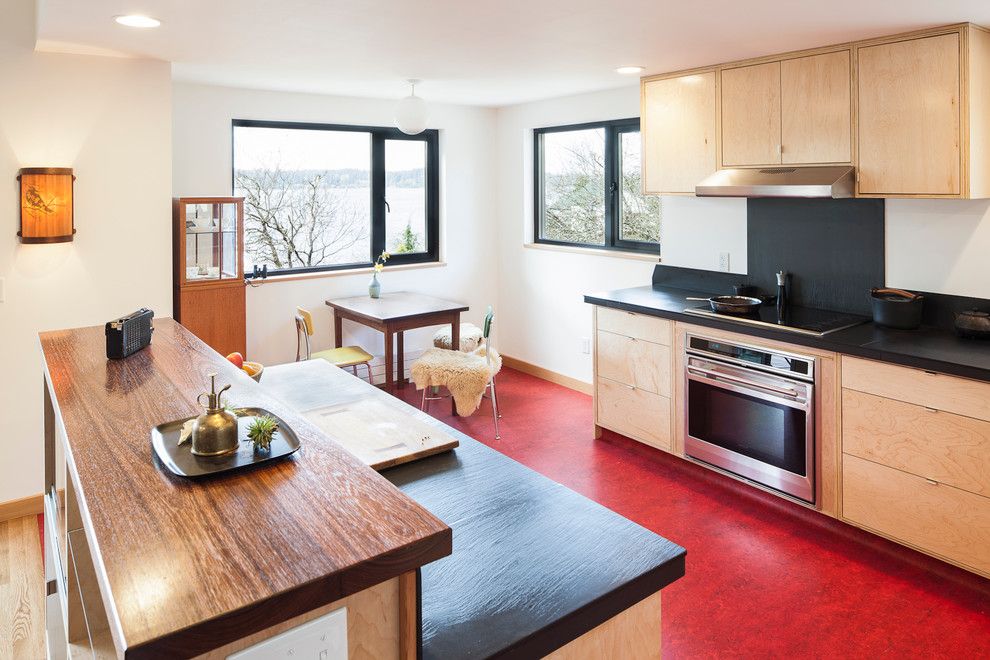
378, 434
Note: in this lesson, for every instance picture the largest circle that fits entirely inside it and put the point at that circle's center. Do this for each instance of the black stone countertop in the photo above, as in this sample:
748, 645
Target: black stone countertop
534, 564
934, 349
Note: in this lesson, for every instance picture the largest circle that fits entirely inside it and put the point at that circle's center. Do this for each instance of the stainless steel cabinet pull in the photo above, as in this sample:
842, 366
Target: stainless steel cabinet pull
931, 481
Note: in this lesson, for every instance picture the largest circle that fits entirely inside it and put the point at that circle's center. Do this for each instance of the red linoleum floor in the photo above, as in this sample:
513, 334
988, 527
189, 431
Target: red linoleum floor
765, 577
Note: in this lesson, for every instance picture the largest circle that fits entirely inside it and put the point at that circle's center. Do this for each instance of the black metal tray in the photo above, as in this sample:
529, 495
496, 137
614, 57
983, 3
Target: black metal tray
180, 460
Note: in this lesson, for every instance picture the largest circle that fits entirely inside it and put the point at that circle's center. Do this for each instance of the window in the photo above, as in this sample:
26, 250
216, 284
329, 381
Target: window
588, 188
326, 197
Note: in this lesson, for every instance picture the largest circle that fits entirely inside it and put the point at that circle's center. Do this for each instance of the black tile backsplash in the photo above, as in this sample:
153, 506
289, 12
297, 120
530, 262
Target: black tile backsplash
832, 248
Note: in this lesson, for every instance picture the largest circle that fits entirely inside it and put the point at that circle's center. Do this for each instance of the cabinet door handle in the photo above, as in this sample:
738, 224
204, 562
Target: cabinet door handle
931, 481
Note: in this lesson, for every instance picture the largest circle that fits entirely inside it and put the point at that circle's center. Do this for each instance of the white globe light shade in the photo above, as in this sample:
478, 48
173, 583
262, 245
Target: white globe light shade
411, 115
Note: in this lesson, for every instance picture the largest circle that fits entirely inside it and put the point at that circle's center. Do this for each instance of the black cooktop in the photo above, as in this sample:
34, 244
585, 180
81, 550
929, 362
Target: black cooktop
802, 320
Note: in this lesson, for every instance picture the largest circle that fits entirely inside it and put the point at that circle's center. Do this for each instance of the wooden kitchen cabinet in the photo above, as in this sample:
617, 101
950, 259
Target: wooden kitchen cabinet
909, 117
923, 124
911, 112
633, 376
678, 127
751, 115
916, 459
816, 109
792, 112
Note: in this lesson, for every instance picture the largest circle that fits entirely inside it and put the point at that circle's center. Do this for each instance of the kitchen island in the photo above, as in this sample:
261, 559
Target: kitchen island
141, 563
150, 565
537, 569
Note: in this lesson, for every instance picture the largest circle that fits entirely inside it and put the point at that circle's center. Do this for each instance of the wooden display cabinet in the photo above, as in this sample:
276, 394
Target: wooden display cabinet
208, 270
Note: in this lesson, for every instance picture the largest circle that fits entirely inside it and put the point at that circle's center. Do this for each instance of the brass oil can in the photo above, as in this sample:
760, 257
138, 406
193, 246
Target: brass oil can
214, 433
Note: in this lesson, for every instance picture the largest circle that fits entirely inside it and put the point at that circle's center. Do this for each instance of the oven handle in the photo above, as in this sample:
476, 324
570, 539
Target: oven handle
713, 375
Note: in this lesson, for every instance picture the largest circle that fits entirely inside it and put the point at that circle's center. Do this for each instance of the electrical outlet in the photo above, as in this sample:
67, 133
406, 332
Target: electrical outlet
585, 345
723, 262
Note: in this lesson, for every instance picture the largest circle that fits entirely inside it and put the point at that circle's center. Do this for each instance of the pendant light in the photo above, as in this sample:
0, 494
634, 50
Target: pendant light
410, 113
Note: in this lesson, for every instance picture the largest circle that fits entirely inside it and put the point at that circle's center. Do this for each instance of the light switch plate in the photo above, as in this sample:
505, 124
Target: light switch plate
324, 638
585, 345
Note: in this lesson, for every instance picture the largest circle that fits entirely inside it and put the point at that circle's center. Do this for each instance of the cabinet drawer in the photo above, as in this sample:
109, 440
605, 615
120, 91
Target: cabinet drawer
936, 518
632, 361
640, 326
949, 393
950, 449
635, 413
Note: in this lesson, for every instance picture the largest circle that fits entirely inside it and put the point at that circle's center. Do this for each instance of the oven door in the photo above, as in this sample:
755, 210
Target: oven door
756, 425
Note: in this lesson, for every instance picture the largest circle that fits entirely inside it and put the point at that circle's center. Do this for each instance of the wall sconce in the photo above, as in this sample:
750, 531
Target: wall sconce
46, 204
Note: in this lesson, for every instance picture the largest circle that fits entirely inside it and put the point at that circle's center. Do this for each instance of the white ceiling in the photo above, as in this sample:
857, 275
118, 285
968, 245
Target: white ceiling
478, 52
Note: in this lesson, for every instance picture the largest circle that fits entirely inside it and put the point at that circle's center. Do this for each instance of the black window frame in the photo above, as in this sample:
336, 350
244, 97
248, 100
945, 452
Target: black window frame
611, 194
379, 202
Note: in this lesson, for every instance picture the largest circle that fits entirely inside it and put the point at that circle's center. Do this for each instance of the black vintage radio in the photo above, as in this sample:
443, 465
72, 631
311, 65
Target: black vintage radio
129, 334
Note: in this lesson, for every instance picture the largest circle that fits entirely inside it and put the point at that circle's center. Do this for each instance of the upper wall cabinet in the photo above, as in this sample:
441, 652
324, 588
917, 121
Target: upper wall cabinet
678, 128
792, 112
911, 112
816, 109
923, 127
751, 115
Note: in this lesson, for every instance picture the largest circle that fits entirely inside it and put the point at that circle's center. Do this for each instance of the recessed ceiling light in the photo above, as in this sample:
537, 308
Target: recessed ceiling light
629, 70
137, 21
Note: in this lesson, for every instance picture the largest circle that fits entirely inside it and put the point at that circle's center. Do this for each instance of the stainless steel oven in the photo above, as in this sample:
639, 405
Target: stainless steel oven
750, 411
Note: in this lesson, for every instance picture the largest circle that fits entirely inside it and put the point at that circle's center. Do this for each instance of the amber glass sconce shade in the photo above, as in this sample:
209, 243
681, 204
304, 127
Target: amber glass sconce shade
46, 204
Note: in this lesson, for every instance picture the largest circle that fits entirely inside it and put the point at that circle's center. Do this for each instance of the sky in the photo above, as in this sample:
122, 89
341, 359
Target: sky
256, 148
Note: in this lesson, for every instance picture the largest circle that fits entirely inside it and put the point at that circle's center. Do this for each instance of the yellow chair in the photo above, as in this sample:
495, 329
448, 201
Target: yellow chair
345, 356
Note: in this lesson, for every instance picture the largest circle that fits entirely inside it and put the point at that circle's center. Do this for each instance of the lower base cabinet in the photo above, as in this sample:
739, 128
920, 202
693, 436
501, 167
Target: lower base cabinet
634, 412
933, 517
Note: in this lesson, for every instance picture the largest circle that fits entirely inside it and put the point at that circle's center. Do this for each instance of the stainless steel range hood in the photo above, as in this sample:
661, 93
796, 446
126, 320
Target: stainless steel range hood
825, 181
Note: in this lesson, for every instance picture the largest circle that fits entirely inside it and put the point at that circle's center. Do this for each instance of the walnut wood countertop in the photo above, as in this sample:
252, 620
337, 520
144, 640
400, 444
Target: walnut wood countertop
186, 566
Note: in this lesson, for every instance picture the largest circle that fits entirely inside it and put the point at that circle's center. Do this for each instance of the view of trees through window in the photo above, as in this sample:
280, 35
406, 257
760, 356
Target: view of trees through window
579, 204
308, 196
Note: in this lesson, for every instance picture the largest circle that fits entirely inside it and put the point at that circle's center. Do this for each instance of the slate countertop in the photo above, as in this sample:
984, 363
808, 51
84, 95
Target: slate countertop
934, 349
534, 564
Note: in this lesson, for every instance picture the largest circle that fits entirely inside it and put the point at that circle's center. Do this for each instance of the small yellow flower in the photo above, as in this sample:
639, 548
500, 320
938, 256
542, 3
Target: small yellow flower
379, 268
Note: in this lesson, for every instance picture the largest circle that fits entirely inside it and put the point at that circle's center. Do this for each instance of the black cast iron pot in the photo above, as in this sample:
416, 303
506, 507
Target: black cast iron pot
895, 308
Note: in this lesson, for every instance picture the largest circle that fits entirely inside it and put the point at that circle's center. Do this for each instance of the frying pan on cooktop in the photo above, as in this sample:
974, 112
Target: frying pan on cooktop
738, 305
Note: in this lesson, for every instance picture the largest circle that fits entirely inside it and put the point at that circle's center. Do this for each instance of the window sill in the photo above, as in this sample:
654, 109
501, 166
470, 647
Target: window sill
597, 252
366, 270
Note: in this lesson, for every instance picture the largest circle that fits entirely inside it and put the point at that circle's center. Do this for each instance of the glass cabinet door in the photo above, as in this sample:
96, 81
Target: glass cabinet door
202, 244
228, 237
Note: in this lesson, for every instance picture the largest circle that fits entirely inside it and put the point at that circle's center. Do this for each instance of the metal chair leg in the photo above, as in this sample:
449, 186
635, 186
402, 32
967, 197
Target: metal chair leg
423, 405
495, 403
367, 366
495, 414
354, 370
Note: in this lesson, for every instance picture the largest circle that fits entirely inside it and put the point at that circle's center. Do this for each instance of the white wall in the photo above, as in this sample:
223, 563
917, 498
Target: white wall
543, 316
939, 245
932, 245
109, 119
202, 151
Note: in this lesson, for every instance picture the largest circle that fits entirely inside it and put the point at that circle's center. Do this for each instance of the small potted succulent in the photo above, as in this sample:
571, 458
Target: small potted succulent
375, 288
261, 431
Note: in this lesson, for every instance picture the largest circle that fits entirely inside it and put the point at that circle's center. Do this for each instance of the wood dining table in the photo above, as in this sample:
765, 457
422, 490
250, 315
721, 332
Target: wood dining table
392, 314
